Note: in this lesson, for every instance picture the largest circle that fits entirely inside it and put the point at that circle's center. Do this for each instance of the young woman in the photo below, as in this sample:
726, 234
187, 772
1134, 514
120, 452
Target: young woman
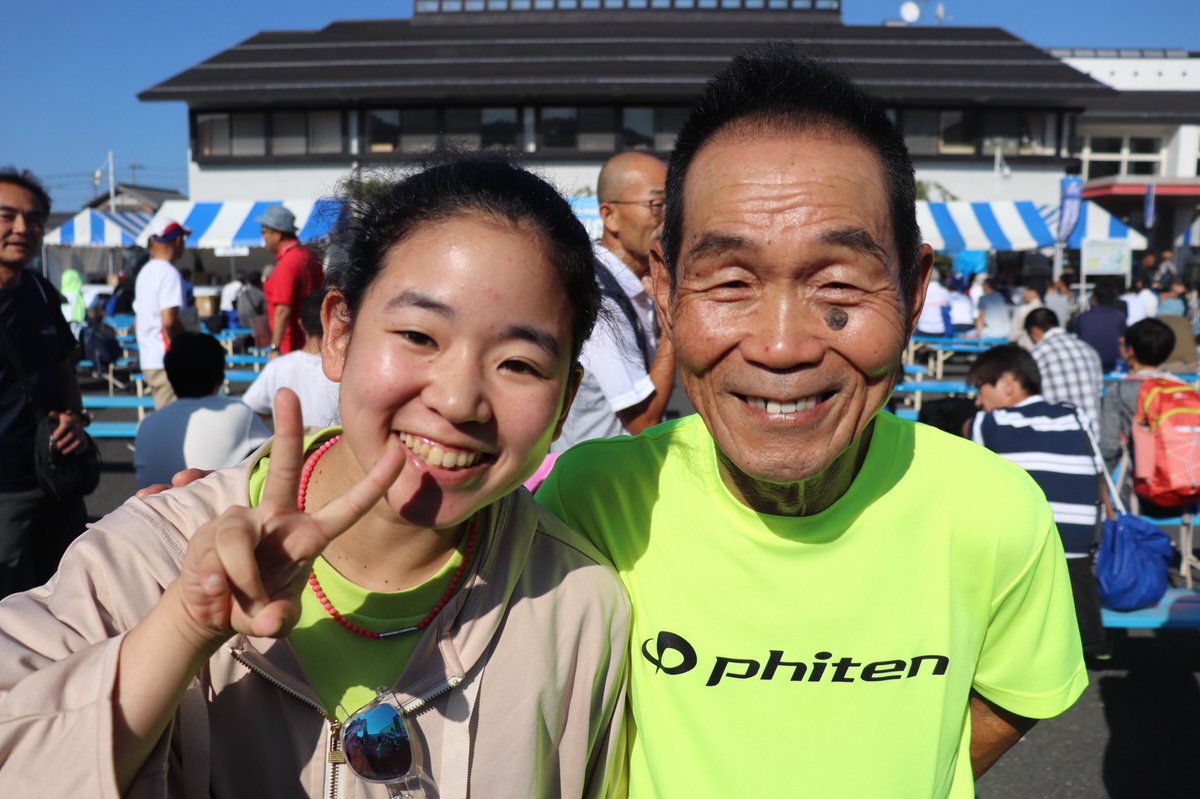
231, 638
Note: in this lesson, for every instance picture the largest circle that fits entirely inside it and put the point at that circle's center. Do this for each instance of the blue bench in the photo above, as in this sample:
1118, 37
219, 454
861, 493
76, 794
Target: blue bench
113, 429
255, 361
1179, 609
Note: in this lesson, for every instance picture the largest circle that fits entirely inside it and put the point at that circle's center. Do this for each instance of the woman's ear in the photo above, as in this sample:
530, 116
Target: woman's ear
335, 341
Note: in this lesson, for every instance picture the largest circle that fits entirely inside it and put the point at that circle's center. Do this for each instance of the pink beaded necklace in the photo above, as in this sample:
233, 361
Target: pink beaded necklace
301, 497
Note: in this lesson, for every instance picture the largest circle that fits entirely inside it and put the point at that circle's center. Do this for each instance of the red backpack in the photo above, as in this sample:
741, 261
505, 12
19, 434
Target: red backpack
1166, 443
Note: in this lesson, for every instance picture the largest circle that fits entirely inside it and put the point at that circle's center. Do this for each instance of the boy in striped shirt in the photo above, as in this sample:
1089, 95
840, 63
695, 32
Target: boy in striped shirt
1049, 441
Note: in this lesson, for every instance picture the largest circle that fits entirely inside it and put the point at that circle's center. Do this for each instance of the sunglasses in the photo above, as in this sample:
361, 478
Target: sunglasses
378, 747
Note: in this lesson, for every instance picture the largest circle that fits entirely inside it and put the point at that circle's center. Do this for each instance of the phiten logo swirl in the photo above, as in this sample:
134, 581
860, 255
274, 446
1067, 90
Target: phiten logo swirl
670, 643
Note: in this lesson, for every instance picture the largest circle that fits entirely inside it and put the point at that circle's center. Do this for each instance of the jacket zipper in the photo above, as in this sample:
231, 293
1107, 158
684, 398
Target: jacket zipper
335, 757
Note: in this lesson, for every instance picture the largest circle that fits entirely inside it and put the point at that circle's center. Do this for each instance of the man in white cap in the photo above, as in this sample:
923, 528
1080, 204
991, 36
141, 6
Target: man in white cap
158, 298
297, 274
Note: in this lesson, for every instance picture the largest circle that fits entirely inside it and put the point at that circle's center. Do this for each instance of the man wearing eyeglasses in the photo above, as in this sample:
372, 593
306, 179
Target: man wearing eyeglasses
628, 372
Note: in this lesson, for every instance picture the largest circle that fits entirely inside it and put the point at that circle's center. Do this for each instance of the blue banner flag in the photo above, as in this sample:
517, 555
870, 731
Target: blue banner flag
1068, 210
1149, 212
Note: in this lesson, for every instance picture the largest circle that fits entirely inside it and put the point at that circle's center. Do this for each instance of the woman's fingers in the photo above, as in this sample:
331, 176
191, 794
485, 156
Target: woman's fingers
337, 517
234, 544
287, 455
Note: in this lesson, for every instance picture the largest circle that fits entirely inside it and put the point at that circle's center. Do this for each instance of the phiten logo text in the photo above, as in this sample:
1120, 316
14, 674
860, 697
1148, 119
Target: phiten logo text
672, 654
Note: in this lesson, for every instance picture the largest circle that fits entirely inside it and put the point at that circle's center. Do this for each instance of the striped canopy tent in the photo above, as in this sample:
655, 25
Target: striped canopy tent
220, 225
1001, 226
92, 228
1097, 224
1190, 237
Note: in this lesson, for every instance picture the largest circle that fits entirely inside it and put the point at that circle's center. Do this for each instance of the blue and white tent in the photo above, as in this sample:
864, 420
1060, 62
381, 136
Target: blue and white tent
1002, 226
92, 228
1096, 224
217, 225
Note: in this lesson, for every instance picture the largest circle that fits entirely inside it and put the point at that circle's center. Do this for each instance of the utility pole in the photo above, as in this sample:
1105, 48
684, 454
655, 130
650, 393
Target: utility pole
133, 168
112, 185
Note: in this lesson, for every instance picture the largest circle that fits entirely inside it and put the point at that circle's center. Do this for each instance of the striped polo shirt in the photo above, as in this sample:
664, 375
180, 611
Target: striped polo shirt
1046, 440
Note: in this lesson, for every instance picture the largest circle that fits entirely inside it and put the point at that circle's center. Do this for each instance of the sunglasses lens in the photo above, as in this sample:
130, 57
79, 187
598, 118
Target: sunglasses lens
376, 744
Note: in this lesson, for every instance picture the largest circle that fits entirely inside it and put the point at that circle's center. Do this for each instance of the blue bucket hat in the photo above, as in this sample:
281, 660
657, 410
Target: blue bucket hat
278, 218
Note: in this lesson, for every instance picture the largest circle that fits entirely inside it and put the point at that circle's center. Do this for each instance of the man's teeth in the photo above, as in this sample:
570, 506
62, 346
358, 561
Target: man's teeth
774, 406
438, 456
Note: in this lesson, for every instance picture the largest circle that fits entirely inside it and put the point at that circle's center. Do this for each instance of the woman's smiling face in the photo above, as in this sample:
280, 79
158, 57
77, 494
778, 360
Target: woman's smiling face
460, 352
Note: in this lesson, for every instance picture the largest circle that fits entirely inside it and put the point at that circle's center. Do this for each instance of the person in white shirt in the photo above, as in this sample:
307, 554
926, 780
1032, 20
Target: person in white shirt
200, 430
158, 300
628, 372
300, 371
932, 322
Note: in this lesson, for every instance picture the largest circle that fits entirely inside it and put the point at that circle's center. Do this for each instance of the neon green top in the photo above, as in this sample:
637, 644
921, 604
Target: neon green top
343, 668
834, 654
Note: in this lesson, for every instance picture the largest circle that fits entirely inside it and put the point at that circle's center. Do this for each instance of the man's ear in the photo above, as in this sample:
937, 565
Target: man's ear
661, 288
924, 270
335, 341
573, 382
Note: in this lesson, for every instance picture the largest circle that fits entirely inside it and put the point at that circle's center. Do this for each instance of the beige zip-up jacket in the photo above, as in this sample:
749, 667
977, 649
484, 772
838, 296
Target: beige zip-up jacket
515, 690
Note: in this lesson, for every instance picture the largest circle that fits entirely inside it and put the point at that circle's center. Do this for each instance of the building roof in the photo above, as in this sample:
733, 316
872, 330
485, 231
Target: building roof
1167, 108
606, 56
150, 195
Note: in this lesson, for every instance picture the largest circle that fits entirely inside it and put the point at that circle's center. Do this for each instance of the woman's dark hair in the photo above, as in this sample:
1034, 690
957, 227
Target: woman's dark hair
380, 215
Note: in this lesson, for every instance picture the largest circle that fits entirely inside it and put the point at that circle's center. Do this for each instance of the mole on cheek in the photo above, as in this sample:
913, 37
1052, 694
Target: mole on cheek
836, 319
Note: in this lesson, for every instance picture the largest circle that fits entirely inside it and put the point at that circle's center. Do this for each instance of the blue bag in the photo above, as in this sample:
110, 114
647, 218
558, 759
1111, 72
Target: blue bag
1132, 563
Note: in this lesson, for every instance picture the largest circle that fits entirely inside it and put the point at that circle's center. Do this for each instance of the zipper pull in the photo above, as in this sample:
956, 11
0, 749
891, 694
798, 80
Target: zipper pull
336, 755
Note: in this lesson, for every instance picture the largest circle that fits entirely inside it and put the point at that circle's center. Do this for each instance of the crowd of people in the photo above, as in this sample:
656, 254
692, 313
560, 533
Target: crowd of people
350, 593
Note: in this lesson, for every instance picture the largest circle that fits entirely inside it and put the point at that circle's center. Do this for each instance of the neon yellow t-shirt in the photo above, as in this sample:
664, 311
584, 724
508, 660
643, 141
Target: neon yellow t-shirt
829, 655
343, 668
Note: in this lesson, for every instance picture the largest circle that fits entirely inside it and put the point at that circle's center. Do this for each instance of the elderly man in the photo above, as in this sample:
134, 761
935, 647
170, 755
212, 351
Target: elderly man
628, 373
35, 528
822, 608
297, 274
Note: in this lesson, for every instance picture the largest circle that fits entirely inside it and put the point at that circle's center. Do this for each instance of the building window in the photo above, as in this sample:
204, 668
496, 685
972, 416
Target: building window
325, 134
637, 128
920, 131
418, 130
289, 133
499, 128
212, 134
249, 134
1018, 133
381, 130
596, 133
462, 128
559, 128
666, 128
956, 133
1115, 156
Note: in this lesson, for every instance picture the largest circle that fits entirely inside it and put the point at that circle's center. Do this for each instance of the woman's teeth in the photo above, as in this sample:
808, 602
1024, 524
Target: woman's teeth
774, 406
439, 456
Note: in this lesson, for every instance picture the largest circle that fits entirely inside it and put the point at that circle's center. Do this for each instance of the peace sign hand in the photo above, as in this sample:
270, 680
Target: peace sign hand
244, 570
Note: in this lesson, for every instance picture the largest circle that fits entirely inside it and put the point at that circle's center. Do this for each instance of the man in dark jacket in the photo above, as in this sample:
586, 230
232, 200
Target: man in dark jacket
1103, 325
34, 528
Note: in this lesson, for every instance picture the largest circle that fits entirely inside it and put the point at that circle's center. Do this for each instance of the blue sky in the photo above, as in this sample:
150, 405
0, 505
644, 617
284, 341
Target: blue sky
73, 69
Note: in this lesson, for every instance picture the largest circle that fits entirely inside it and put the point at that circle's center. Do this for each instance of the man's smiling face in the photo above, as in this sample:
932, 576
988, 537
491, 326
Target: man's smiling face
787, 316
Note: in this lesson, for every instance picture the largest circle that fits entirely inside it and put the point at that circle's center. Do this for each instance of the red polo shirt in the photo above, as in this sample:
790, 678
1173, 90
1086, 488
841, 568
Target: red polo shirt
297, 274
